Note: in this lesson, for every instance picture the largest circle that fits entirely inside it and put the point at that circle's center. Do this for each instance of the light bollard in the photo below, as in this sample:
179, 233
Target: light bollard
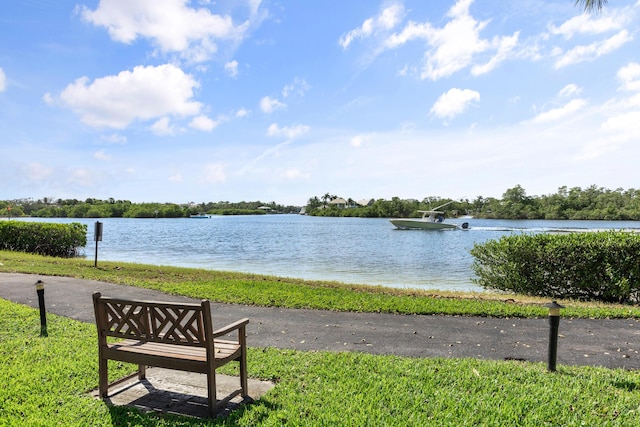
554, 323
97, 236
43, 313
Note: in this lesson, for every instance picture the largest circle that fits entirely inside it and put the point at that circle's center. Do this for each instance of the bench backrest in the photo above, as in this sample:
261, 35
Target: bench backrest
163, 322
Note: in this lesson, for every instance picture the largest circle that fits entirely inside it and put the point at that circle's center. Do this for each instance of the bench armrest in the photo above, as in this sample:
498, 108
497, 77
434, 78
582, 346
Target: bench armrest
239, 324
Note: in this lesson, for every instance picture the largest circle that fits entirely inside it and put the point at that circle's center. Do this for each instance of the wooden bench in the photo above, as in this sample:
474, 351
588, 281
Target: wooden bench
168, 335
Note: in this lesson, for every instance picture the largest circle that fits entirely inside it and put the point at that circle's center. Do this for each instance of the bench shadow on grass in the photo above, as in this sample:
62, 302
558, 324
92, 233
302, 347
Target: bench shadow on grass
150, 403
122, 416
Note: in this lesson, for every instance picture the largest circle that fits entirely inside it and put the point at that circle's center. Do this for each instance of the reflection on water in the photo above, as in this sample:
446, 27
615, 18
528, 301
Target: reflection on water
350, 250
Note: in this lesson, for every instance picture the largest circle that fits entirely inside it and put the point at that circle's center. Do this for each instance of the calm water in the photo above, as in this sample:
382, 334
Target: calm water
350, 250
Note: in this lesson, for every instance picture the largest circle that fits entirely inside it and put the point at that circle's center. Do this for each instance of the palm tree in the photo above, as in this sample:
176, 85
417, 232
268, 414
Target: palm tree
590, 5
325, 199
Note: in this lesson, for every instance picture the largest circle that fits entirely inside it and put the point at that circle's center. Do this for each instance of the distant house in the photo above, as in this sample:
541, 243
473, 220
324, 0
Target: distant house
340, 203
365, 202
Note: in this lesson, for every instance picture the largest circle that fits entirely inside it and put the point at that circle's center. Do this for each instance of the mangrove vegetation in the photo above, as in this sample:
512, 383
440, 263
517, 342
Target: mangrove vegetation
591, 203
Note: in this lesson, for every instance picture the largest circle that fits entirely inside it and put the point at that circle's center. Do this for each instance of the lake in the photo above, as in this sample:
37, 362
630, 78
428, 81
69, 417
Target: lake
350, 250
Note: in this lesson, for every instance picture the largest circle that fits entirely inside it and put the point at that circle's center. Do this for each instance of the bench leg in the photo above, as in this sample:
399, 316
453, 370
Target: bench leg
242, 340
243, 373
142, 372
103, 378
211, 393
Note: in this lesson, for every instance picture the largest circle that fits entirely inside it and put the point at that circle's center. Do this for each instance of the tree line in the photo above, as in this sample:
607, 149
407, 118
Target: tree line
591, 203
576, 203
111, 208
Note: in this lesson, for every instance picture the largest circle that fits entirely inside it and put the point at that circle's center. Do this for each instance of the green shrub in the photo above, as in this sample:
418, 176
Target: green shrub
60, 240
234, 211
602, 266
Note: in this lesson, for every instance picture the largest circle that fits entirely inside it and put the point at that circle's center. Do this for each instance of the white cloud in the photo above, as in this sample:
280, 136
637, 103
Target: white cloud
454, 46
598, 148
203, 123
83, 177
618, 130
504, 47
163, 127
3, 81
629, 75
114, 138
454, 102
142, 94
295, 174
594, 50
176, 178
569, 90
359, 140
101, 155
254, 5
567, 109
243, 112
627, 125
36, 171
269, 105
215, 173
232, 68
298, 86
290, 132
387, 19
405, 71
560, 112
171, 25
410, 32
589, 24
48, 99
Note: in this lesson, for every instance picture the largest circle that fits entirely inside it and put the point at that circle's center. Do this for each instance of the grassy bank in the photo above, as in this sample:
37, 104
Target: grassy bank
251, 289
45, 382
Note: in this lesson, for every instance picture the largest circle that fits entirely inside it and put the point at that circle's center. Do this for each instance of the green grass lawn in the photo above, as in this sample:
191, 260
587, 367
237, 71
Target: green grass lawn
45, 382
252, 289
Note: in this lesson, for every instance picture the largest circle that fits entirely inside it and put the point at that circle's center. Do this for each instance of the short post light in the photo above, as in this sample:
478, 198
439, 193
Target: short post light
554, 322
43, 313
97, 236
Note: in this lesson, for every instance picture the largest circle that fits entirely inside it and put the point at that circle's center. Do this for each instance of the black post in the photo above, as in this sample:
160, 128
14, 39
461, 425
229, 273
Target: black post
554, 323
43, 312
97, 236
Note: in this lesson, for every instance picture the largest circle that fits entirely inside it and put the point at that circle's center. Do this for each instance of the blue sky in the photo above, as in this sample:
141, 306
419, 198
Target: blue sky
196, 101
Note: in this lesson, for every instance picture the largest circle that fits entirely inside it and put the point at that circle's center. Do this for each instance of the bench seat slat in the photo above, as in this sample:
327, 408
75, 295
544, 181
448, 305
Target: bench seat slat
222, 350
153, 348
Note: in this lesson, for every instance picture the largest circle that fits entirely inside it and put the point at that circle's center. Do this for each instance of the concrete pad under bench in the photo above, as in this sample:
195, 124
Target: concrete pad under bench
174, 392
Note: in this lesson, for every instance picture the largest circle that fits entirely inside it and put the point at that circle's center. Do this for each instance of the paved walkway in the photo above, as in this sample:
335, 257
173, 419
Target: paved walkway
608, 343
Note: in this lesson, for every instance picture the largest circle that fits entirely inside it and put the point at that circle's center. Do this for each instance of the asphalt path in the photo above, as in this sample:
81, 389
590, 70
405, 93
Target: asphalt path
609, 343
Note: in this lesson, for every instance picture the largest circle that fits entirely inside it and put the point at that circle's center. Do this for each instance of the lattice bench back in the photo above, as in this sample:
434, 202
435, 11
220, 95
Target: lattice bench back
170, 323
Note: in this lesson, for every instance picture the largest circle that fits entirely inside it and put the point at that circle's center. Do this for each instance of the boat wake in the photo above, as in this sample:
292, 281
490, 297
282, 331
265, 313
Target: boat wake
552, 229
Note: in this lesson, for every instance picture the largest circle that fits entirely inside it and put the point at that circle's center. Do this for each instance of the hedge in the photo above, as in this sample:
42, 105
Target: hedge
62, 240
598, 266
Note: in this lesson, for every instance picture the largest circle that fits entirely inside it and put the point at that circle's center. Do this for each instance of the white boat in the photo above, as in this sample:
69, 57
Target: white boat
200, 215
431, 220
